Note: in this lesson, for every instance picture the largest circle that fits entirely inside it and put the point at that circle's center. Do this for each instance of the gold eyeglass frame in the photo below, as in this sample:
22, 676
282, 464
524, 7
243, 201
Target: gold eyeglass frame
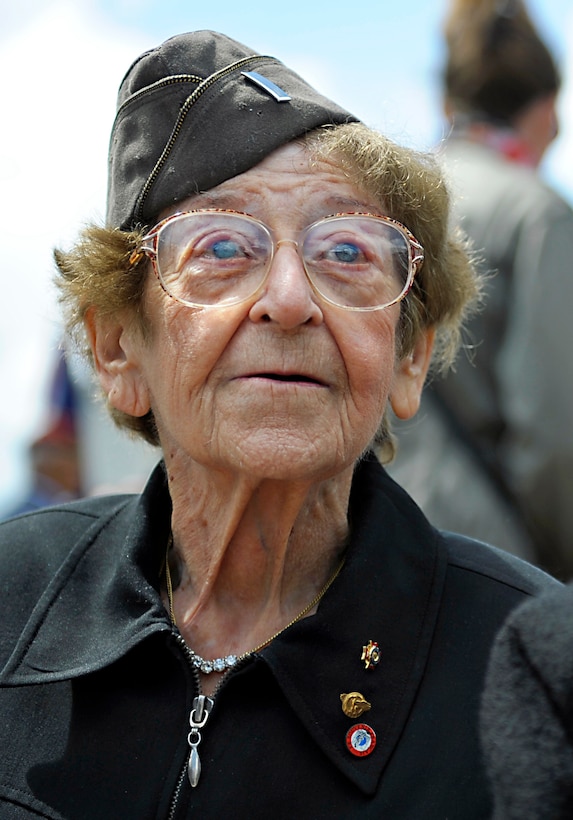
415, 258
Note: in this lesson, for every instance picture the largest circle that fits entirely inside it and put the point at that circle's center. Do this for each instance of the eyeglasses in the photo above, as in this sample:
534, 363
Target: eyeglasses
211, 258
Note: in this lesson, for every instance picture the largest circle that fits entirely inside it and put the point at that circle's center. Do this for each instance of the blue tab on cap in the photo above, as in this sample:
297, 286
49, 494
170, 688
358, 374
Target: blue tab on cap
267, 85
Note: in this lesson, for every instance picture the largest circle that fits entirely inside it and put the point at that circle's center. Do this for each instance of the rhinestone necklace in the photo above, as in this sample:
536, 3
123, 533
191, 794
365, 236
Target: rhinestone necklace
228, 661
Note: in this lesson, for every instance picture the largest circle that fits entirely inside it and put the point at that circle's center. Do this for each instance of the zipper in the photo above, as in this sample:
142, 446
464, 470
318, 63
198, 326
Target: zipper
202, 706
189, 102
174, 79
200, 711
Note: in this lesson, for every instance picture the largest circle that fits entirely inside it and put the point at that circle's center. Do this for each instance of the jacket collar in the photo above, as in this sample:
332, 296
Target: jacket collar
79, 624
389, 591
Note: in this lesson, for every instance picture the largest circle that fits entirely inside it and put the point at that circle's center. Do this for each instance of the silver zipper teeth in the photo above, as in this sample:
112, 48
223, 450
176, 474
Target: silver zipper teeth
191, 100
181, 779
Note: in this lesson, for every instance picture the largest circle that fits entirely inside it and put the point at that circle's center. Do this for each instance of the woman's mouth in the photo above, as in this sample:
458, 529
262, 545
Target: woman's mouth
289, 377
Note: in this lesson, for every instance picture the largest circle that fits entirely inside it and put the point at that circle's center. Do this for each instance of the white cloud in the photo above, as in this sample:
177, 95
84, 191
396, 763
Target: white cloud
64, 65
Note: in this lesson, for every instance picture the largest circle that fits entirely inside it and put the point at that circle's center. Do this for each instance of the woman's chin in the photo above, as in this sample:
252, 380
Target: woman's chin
289, 455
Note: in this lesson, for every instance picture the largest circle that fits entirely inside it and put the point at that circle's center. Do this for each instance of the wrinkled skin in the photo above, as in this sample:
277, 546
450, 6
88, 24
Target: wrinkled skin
259, 464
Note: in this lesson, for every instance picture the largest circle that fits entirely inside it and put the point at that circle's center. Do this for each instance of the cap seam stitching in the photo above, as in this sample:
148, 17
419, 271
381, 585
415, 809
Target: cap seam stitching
187, 105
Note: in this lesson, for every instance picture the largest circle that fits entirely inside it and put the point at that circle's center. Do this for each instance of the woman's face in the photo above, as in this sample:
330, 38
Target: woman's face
284, 385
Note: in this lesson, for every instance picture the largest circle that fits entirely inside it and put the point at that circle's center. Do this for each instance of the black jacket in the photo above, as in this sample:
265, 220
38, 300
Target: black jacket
96, 692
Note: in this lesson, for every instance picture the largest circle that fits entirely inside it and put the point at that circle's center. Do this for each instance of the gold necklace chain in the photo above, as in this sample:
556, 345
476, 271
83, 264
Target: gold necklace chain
228, 661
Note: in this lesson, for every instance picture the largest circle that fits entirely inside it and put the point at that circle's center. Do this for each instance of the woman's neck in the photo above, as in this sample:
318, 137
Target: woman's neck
247, 557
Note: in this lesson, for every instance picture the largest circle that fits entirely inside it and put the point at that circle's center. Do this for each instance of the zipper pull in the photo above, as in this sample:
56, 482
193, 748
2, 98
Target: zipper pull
201, 710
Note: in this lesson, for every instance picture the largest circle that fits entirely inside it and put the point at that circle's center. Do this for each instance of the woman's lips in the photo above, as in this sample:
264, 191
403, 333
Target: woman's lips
288, 377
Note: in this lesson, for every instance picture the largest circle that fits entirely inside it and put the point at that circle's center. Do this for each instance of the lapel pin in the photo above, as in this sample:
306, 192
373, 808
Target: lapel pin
354, 704
370, 655
361, 740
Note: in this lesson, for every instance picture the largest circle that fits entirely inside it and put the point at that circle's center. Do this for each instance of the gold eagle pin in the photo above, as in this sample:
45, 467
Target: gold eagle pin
354, 704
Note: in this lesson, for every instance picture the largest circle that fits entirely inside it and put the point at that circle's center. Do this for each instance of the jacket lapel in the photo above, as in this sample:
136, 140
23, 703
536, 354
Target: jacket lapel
103, 599
389, 591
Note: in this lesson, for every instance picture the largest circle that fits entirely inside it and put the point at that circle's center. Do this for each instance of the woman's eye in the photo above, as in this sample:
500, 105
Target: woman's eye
345, 252
226, 249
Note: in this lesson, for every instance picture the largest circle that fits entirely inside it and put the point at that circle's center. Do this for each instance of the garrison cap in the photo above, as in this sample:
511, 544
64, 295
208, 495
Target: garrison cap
198, 110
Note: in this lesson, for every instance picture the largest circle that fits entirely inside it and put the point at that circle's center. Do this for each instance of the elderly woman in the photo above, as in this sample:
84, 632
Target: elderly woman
272, 628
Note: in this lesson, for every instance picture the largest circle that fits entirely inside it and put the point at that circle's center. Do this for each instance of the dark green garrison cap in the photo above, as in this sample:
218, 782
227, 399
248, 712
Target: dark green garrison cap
200, 109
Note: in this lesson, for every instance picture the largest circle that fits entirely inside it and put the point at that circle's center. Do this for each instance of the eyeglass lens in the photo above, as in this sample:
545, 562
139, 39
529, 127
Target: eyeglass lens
217, 258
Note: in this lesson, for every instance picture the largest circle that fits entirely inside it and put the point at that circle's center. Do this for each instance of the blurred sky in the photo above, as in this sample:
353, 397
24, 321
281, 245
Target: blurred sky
61, 64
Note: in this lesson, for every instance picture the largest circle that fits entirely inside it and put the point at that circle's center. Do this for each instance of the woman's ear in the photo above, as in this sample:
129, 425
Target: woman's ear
115, 346
410, 376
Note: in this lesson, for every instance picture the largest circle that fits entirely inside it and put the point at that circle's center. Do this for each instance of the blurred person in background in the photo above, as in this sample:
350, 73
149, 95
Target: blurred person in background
527, 711
499, 425
54, 455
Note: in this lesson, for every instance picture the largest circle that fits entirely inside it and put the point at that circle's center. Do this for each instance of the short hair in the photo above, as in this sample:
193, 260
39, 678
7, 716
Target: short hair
97, 274
496, 62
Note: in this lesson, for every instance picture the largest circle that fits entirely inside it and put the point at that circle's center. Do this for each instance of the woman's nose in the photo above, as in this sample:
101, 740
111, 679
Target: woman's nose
287, 297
